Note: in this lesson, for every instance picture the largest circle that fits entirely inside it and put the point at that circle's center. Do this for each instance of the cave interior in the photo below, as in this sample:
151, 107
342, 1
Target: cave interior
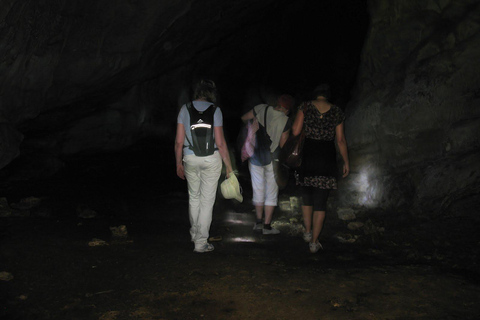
90, 94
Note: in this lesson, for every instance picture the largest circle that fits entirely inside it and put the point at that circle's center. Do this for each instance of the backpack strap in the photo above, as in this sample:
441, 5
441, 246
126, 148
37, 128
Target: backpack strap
189, 109
265, 118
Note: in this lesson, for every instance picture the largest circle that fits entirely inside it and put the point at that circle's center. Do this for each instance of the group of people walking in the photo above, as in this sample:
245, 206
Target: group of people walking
200, 149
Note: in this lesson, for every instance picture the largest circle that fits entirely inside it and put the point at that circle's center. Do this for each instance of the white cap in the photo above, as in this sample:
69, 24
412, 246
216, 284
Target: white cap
231, 188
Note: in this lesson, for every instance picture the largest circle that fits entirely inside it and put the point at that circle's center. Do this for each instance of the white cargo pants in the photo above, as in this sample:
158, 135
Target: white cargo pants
202, 175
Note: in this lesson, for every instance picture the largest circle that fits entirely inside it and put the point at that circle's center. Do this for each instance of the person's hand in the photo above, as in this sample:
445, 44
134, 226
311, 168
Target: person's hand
346, 170
228, 171
180, 171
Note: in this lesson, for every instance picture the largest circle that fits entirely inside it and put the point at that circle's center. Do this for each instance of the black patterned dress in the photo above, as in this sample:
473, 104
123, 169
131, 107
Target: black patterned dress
319, 165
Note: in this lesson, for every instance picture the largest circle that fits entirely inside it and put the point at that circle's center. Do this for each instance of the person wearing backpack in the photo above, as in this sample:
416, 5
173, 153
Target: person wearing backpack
200, 147
274, 126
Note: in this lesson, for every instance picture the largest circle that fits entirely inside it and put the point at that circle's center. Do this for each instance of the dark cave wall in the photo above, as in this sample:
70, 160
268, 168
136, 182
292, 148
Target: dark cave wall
86, 76
65, 62
90, 76
413, 126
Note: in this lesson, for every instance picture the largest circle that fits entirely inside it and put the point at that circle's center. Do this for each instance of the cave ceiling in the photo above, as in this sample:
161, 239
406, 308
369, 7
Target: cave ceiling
71, 67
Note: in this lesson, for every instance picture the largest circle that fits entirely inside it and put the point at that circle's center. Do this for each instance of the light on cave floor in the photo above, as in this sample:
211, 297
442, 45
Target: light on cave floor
243, 239
238, 218
290, 204
239, 226
245, 222
235, 221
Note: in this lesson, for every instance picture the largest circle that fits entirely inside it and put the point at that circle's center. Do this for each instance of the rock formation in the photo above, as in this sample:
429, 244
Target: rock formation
413, 126
88, 76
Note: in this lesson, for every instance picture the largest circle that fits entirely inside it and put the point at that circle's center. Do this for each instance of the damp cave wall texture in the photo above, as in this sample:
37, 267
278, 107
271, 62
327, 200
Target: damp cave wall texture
413, 126
88, 76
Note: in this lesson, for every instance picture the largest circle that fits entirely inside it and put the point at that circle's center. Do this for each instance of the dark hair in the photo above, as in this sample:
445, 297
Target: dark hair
321, 90
286, 101
205, 88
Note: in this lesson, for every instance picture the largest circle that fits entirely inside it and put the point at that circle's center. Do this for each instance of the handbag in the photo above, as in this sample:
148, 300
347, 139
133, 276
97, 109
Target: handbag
291, 153
281, 173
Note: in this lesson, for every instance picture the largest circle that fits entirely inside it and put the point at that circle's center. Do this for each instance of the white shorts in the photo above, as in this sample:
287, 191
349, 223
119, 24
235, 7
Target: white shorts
264, 186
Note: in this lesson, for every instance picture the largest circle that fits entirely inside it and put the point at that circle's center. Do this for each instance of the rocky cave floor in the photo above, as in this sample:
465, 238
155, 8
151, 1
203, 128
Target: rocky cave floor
64, 254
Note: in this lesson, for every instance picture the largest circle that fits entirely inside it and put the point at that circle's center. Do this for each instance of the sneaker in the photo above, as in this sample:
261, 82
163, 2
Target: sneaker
315, 246
258, 226
270, 231
207, 247
307, 236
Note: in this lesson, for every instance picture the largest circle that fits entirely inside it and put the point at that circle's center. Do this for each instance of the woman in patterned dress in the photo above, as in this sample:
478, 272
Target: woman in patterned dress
322, 122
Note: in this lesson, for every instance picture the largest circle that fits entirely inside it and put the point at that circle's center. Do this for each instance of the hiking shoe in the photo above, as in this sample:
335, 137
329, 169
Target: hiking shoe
258, 226
307, 236
207, 247
270, 231
315, 246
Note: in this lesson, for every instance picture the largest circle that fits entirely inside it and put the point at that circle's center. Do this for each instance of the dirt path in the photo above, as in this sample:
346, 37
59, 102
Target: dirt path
153, 273
413, 270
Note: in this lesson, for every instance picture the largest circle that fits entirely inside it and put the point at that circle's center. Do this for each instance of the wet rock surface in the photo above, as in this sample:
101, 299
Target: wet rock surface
412, 125
397, 267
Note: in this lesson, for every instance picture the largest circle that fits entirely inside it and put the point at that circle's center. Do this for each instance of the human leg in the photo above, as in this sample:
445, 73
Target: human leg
258, 225
317, 224
211, 169
192, 174
271, 199
269, 214
258, 188
319, 213
307, 212
318, 219
271, 186
259, 212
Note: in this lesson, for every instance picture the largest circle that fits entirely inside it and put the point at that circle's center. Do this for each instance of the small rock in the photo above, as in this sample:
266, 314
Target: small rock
97, 242
85, 213
371, 228
21, 213
27, 203
110, 315
119, 232
5, 210
5, 213
346, 238
355, 225
295, 204
284, 205
6, 276
346, 214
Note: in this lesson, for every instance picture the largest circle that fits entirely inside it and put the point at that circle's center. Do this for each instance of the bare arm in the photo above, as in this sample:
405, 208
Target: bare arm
342, 146
179, 139
223, 148
283, 138
298, 123
248, 116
